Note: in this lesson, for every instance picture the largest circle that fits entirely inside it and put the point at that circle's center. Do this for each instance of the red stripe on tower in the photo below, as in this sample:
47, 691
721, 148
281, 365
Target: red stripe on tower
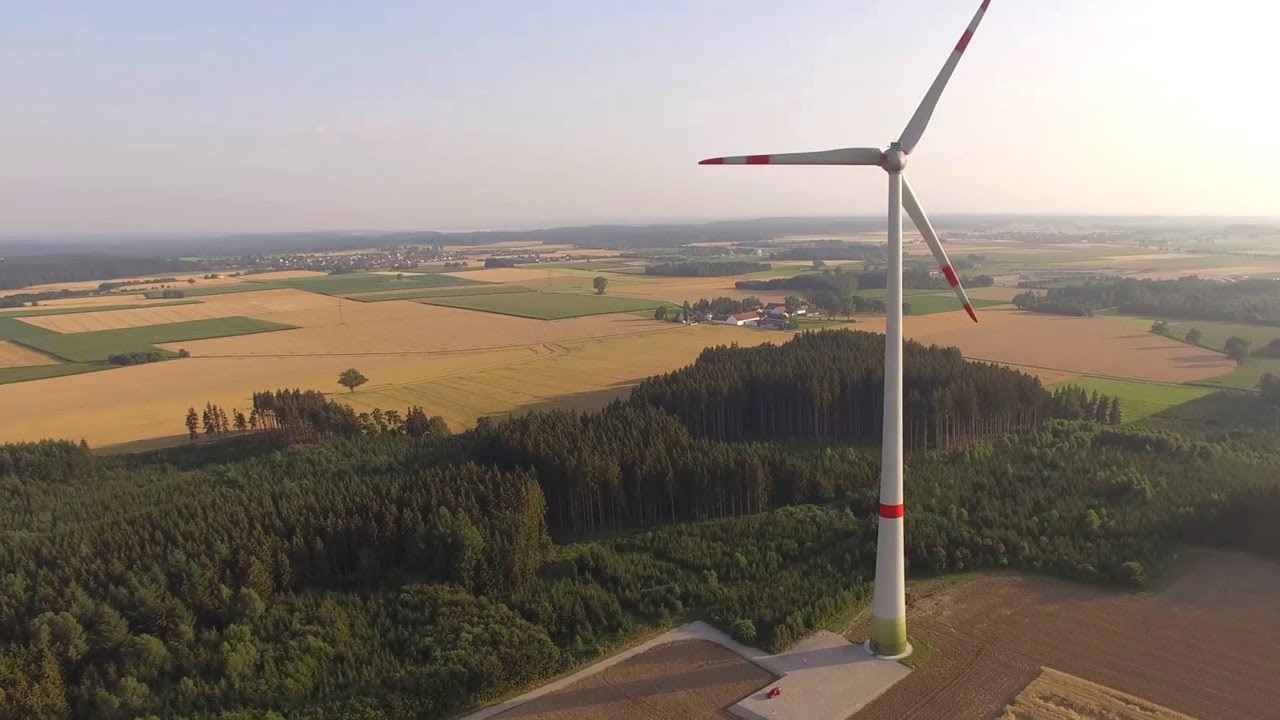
951, 276
892, 512
964, 41
713, 161
757, 159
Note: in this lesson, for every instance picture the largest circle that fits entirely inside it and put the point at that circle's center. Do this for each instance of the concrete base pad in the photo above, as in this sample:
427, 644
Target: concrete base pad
823, 677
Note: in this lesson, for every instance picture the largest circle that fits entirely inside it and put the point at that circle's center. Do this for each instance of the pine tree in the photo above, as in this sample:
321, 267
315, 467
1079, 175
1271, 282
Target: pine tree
1115, 418
193, 424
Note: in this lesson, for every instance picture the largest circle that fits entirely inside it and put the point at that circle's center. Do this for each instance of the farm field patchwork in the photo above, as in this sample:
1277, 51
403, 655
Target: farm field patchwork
1140, 400
437, 292
1180, 648
502, 275
693, 679
369, 282
941, 303
43, 311
107, 408
39, 372
545, 305
1214, 333
96, 346
263, 304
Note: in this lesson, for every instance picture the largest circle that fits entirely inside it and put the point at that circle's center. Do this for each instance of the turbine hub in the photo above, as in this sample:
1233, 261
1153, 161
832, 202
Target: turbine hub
893, 160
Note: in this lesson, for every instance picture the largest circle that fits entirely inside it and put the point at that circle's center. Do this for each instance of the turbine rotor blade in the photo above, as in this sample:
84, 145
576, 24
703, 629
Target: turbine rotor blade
912, 206
920, 120
842, 156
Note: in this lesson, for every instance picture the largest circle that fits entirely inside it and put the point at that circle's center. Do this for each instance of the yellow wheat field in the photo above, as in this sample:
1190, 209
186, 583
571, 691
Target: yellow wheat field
1086, 346
87, 303
1059, 696
149, 401
13, 355
264, 305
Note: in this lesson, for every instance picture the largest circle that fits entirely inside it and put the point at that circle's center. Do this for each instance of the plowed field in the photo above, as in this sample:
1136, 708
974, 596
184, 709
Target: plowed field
1207, 646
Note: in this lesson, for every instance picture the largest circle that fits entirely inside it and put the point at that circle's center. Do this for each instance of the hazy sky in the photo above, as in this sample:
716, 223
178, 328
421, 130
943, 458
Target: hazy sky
193, 116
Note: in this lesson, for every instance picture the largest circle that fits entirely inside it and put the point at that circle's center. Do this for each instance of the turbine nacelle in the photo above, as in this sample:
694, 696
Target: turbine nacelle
893, 160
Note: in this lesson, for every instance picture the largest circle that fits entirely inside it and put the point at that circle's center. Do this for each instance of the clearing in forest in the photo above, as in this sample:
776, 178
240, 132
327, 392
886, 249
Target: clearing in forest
1059, 696
1206, 646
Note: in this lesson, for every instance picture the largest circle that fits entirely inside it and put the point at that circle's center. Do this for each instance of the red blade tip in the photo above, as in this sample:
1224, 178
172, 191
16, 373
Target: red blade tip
711, 161
969, 309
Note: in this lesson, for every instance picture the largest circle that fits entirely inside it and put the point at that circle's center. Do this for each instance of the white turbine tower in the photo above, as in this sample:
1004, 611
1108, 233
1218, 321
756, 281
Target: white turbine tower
889, 606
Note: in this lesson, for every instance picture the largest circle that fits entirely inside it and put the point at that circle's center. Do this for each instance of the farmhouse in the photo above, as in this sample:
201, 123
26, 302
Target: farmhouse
779, 310
742, 319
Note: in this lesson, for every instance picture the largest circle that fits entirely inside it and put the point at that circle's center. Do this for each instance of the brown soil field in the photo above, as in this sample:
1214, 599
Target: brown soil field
264, 305
1091, 346
503, 275
12, 356
1207, 646
1059, 696
686, 680
106, 408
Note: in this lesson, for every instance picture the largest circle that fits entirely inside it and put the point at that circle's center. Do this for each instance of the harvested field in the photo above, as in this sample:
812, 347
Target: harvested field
12, 356
1059, 696
494, 289
501, 275
687, 679
545, 305
79, 302
263, 305
368, 282
1090, 346
1206, 646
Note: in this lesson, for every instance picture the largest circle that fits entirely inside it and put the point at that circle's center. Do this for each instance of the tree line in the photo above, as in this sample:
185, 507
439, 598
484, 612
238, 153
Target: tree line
1248, 301
705, 268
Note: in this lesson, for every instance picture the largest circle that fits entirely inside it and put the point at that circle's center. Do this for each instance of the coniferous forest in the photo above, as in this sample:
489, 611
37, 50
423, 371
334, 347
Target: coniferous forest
324, 566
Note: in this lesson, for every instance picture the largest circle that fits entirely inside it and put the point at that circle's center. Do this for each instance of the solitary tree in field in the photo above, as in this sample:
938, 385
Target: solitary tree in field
1159, 327
191, 281
660, 313
351, 379
1237, 348
193, 424
1193, 336
600, 283
399, 276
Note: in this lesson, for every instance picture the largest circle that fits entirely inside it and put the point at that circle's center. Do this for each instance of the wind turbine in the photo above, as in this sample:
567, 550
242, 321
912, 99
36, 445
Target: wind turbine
889, 605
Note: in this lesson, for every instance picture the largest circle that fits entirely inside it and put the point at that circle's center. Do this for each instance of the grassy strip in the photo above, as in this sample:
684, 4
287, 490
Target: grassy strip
40, 372
96, 346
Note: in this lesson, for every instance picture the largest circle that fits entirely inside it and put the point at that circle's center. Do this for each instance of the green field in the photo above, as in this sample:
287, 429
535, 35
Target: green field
932, 304
1138, 399
40, 372
1246, 376
87, 347
13, 329
39, 311
450, 291
1214, 334
369, 282
546, 305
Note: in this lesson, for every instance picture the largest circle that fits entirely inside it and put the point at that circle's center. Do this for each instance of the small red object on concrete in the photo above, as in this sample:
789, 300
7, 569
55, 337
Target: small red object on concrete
775, 693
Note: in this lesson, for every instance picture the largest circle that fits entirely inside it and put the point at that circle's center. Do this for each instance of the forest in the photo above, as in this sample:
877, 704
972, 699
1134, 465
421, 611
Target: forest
1191, 298
706, 268
334, 565
24, 270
